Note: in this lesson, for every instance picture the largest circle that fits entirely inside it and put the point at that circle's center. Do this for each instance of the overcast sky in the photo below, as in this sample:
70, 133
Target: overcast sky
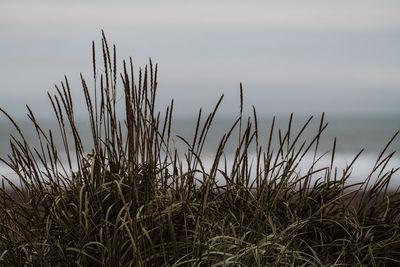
341, 57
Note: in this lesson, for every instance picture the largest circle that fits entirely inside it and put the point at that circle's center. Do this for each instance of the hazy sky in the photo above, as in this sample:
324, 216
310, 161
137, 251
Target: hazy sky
342, 56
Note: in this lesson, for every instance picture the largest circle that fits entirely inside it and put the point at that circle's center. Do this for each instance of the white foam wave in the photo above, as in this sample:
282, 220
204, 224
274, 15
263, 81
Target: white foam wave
359, 172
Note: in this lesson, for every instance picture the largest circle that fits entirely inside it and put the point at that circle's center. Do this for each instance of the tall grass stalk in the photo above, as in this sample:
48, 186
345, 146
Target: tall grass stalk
135, 200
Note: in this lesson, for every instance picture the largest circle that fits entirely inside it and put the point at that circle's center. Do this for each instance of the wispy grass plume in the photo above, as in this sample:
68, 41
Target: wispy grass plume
135, 200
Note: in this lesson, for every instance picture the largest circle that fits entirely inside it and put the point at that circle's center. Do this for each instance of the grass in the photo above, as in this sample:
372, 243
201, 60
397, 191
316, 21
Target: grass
133, 200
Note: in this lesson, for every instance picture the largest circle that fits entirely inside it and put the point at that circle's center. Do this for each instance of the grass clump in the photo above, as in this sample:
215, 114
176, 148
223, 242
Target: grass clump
134, 200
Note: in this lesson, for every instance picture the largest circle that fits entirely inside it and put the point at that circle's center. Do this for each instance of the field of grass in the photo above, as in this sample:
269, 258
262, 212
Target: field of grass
134, 200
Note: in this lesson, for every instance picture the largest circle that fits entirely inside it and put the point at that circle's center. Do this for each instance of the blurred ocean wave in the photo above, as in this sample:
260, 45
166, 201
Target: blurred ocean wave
353, 134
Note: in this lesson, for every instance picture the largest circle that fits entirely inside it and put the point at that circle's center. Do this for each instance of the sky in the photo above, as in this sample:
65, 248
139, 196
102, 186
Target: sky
340, 57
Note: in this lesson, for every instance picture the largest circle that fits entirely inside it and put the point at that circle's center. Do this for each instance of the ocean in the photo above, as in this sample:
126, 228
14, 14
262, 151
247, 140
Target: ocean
352, 134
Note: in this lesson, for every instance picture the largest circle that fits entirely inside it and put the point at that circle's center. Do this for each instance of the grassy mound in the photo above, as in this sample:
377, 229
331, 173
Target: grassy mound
135, 201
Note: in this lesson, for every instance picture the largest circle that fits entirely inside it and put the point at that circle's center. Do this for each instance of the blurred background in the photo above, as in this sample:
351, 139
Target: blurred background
307, 57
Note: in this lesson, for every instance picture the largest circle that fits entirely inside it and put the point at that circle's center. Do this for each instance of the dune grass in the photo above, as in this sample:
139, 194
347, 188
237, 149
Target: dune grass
134, 200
